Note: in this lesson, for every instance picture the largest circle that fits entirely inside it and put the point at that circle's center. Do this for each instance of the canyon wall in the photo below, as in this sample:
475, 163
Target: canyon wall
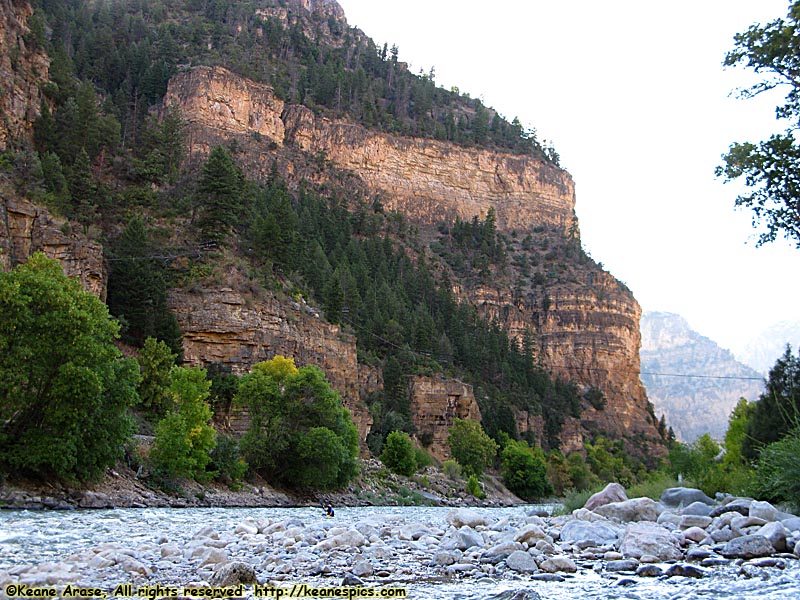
586, 329
427, 180
23, 69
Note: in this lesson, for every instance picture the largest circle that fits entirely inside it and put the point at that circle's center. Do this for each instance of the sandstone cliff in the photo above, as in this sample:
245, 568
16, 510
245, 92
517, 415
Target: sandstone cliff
586, 324
23, 69
25, 229
239, 329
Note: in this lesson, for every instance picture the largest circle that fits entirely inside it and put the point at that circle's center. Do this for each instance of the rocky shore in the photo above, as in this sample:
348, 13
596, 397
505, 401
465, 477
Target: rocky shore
685, 535
375, 485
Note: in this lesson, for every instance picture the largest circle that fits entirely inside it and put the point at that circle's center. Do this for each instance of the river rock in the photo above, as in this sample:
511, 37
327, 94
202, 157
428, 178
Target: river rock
445, 558
530, 533
613, 492
649, 571
467, 538
776, 533
351, 580
649, 538
362, 568
688, 521
213, 556
625, 564
748, 546
668, 518
682, 496
556, 564
763, 510
700, 509
499, 552
350, 538
233, 573
695, 534
698, 554
521, 562
685, 571
585, 534
740, 505
95, 500
635, 509
465, 516
792, 523
742, 522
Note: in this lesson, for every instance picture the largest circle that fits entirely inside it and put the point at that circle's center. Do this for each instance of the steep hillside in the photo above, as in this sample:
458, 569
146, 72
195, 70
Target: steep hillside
356, 217
762, 351
692, 405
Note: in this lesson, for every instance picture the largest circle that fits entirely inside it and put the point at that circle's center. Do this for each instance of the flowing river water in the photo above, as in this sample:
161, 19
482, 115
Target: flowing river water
54, 540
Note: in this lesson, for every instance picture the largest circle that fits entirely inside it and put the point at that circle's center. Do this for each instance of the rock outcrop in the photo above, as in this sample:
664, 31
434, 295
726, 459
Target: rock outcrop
435, 404
23, 69
26, 228
239, 329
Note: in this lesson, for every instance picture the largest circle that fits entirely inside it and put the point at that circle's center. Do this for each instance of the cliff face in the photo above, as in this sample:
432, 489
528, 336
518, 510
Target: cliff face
428, 181
23, 68
436, 403
586, 326
240, 329
25, 229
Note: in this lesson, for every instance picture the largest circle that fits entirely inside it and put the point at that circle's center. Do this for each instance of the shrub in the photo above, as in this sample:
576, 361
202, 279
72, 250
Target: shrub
470, 446
398, 454
227, 461
524, 470
452, 469
778, 470
474, 487
291, 410
184, 438
64, 388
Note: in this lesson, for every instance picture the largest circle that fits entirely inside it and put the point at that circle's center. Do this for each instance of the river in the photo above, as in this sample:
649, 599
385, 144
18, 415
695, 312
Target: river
61, 540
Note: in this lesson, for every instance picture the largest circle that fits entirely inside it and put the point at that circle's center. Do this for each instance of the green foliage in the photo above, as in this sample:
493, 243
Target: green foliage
777, 410
777, 476
299, 434
227, 461
558, 473
64, 389
607, 461
736, 434
155, 363
452, 469
524, 470
398, 454
184, 438
653, 486
137, 291
770, 167
474, 487
219, 195
470, 446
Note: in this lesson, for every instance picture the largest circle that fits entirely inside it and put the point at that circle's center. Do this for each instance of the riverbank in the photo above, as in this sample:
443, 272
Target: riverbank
375, 485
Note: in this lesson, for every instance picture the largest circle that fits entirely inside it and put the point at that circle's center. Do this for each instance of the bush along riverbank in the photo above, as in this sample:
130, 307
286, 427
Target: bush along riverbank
613, 540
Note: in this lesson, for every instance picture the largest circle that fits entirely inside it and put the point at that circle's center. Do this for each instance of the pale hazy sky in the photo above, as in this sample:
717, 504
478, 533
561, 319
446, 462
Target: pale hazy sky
633, 95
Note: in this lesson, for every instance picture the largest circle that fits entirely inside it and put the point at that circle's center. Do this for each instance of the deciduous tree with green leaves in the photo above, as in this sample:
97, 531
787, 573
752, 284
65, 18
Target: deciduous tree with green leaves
65, 390
398, 453
470, 446
300, 434
771, 168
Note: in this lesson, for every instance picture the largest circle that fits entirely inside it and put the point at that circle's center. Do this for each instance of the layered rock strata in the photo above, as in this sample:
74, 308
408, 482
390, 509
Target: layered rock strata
230, 327
26, 228
436, 402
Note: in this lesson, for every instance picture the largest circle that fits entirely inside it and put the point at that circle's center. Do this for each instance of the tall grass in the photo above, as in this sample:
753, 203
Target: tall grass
778, 470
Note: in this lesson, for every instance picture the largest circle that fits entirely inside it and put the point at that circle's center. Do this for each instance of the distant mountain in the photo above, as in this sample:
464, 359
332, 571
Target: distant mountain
671, 351
763, 350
